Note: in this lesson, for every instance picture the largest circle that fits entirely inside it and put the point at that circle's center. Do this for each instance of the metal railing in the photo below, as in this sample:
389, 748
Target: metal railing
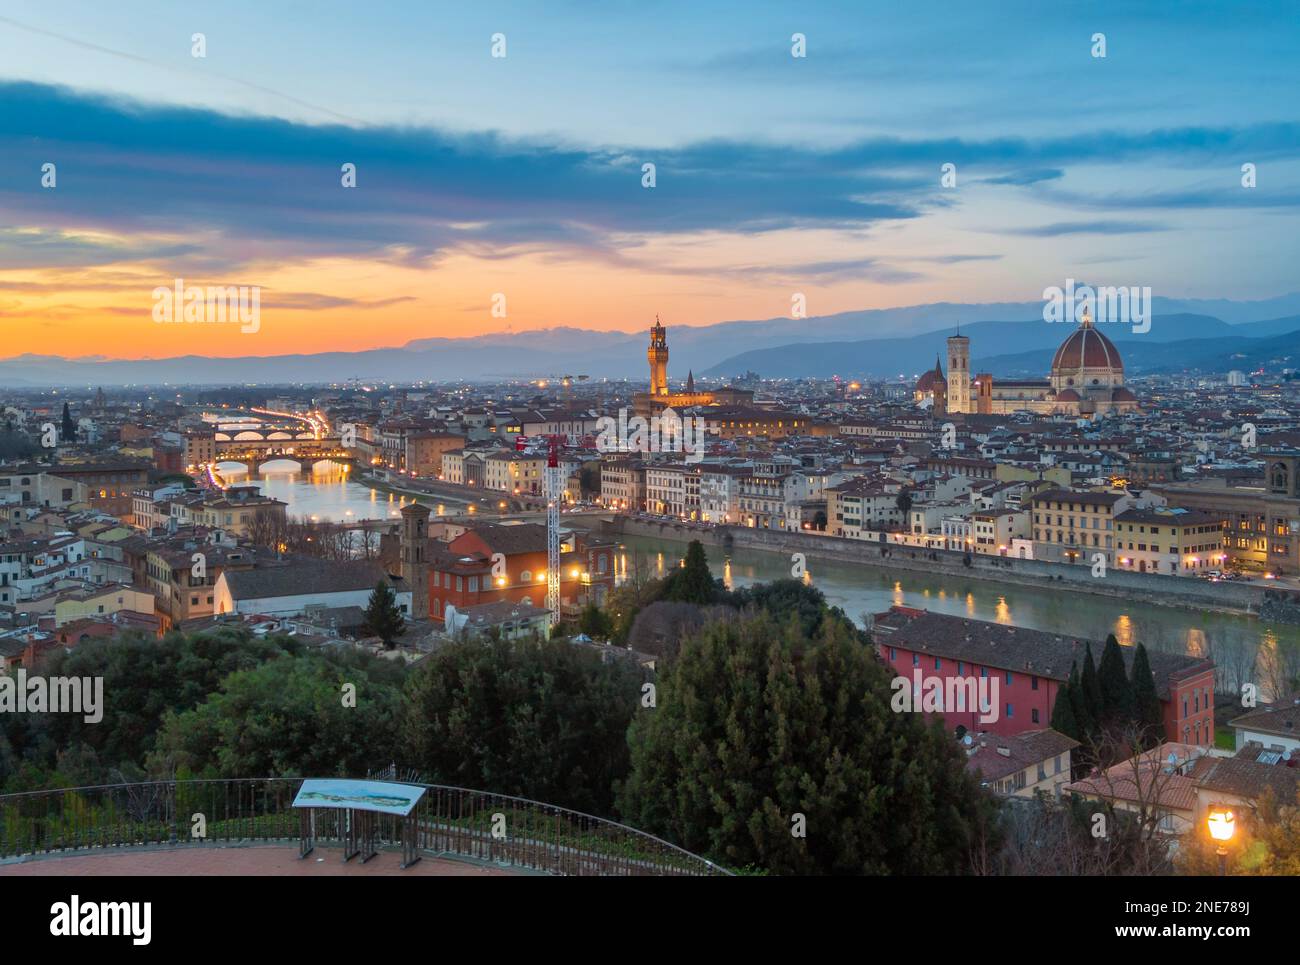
454, 821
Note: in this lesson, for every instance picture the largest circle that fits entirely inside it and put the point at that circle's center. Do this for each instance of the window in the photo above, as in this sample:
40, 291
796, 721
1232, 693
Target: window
1033, 683
916, 660
527, 577
893, 654
1033, 715
1011, 711
1009, 678
937, 663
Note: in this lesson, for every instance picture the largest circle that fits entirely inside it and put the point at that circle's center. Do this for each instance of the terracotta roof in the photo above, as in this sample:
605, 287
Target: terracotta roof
1247, 778
1147, 777
1281, 718
1087, 348
995, 756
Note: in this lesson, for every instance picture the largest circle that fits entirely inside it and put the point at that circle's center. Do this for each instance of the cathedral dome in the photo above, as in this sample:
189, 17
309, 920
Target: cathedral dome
1087, 348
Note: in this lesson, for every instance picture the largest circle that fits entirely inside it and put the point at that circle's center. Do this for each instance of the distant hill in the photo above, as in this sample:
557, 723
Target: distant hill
1209, 355
891, 357
881, 342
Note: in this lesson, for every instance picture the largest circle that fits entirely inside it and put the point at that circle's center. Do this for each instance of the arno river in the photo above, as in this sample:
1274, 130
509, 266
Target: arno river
1234, 642
1244, 648
328, 495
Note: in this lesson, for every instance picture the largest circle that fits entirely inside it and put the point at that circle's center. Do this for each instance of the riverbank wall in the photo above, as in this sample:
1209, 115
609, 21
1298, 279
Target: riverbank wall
1175, 591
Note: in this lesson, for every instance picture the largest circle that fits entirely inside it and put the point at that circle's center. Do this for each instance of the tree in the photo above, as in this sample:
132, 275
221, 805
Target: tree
692, 583
781, 598
541, 719
595, 623
1083, 719
1063, 719
904, 503
1116, 691
288, 717
772, 749
1092, 699
69, 430
1147, 711
383, 616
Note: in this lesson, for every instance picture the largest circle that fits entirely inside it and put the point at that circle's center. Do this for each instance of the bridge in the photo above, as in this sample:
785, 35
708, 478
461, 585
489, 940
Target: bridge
252, 453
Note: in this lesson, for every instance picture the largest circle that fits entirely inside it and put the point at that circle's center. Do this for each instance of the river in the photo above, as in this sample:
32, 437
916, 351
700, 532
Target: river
329, 493
1244, 648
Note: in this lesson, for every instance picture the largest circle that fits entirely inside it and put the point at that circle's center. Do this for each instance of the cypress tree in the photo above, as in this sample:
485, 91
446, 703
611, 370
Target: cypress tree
383, 616
69, 427
1091, 690
1083, 718
1146, 701
1116, 691
693, 583
1063, 713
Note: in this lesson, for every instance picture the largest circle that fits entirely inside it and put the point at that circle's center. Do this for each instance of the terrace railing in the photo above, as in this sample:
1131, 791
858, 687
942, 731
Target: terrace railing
453, 821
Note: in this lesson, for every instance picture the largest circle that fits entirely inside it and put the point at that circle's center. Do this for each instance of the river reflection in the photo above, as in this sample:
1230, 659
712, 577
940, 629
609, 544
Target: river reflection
1243, 648
327, 494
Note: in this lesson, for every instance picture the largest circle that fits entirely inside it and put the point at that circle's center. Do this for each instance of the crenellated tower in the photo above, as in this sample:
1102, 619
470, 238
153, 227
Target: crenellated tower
657, 354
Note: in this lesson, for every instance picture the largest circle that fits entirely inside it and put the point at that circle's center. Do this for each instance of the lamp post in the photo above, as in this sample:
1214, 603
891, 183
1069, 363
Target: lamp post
1222, 825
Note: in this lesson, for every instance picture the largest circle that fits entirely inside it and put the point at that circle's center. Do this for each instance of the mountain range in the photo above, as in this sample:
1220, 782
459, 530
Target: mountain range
1007, 338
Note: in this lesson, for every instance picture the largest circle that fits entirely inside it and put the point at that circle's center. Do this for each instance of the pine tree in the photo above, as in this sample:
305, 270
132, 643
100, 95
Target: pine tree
1063, 713
735, 696
1116, 691
1146, 701
383, 616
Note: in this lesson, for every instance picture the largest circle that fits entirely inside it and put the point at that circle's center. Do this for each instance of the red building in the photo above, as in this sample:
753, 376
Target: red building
467, 571
1030, 667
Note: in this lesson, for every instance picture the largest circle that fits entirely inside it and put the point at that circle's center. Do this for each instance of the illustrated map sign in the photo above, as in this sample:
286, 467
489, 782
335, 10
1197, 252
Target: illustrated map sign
380, 796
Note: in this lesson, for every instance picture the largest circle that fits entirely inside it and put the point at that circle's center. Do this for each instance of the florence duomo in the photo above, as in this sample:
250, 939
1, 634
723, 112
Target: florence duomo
1087, 379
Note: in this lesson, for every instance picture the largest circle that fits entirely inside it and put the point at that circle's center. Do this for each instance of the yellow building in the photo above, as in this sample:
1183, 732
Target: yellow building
101, 601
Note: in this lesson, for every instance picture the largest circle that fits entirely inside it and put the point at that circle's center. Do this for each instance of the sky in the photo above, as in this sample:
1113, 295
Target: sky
497, 194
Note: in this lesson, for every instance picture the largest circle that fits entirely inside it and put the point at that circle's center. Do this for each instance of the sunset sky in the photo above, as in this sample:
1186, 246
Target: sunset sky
522, 175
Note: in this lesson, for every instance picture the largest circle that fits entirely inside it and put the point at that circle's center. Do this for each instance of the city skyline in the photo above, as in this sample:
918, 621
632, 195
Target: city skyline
775, 175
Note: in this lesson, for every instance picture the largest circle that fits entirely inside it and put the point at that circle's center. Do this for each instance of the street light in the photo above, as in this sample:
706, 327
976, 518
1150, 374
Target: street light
1222, 825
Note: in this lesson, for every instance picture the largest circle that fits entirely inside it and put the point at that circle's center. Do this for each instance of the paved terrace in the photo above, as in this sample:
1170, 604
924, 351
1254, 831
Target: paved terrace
253, 860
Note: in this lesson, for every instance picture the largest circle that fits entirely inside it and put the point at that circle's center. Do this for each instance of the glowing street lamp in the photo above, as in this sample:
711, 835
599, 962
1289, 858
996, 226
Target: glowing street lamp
1222, 825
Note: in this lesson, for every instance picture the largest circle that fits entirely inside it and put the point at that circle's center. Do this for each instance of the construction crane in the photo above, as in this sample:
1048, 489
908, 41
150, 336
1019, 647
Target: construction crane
554, 489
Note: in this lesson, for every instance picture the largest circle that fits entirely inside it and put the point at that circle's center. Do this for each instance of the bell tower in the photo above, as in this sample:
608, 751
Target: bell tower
657, 354
415, 552
959, 374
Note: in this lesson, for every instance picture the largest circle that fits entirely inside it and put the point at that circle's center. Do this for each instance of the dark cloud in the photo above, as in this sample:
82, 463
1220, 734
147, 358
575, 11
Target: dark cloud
222, 191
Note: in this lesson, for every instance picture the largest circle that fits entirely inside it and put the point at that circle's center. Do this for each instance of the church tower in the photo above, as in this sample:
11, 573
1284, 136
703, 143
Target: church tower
415, 550
959, 374
658, 356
